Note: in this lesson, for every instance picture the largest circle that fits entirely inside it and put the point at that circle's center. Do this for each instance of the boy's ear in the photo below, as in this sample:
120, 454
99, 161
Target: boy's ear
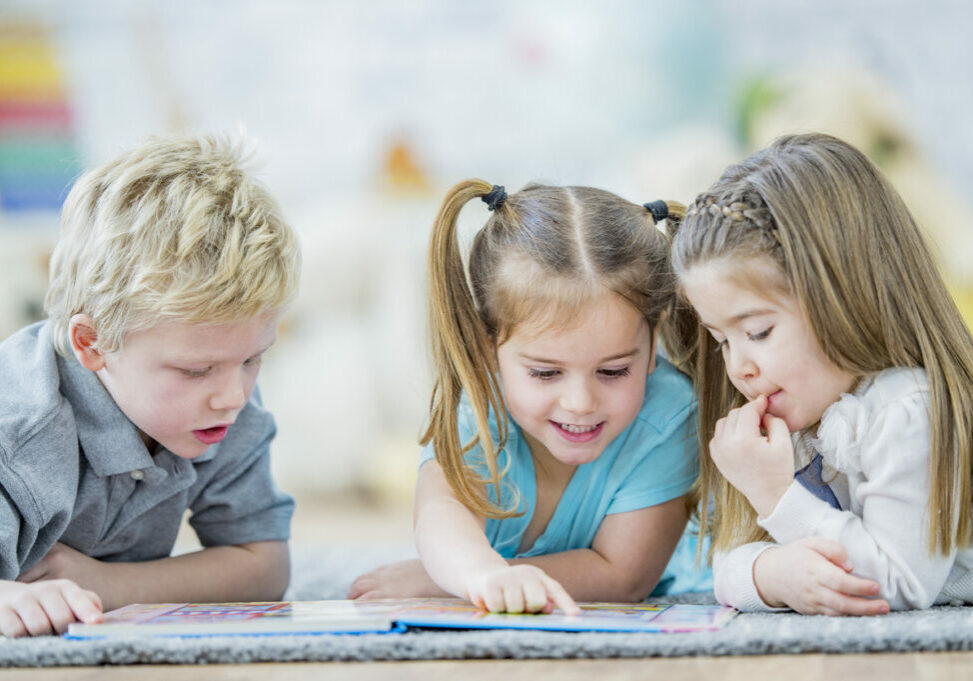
84, 338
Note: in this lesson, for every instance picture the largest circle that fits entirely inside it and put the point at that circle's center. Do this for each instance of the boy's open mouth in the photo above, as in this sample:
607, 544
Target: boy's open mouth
210, 436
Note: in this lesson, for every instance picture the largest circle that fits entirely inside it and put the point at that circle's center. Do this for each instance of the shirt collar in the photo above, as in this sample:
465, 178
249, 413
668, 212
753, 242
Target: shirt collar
110, 441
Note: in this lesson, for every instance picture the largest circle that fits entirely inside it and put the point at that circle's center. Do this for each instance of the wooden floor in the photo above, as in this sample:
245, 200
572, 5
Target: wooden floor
890, 667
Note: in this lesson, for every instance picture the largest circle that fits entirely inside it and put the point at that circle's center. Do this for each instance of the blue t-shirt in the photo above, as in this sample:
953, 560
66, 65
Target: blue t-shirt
654, 460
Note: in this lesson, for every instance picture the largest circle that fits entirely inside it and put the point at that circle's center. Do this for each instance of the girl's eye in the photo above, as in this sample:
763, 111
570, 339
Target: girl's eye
253, 361
615, 373
542, 374
195, 373
760, 336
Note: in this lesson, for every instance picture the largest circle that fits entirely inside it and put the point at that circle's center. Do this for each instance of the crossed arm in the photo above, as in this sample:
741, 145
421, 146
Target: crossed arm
809, 568
67, 586
627, 557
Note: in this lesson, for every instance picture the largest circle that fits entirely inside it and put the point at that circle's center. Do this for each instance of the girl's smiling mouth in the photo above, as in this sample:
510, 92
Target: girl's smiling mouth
577, 433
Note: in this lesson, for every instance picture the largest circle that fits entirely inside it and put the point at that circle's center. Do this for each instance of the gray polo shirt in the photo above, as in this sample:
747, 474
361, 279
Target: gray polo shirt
73, 469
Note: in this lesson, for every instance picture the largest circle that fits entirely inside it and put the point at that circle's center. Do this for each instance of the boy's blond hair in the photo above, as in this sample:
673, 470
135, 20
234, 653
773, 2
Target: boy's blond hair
172, 230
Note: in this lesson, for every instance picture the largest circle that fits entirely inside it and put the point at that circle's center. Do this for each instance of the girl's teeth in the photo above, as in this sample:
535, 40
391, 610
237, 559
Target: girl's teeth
576, 429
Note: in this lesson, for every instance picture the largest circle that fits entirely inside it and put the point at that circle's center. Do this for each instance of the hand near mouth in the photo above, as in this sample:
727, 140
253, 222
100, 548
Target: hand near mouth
753, 450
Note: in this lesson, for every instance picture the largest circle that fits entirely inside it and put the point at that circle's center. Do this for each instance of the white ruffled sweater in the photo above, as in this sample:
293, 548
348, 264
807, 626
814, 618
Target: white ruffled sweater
875, 449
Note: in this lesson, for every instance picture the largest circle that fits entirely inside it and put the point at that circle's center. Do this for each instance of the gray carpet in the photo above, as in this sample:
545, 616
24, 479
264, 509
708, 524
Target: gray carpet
327, 574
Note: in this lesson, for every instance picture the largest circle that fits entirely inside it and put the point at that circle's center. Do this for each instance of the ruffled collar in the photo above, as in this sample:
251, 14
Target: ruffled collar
843, 429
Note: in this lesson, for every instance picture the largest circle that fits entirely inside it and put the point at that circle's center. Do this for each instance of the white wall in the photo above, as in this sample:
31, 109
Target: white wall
637, 97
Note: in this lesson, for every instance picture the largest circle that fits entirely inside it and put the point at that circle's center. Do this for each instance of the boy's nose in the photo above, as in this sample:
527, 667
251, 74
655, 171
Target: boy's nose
231, 394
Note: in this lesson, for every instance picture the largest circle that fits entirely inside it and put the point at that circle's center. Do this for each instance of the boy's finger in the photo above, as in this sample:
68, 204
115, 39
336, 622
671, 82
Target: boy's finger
34, 618
11, 625
96, 599
561, 598
59, 613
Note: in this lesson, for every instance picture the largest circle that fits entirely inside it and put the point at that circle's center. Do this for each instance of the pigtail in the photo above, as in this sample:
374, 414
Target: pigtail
678, 334
463, 357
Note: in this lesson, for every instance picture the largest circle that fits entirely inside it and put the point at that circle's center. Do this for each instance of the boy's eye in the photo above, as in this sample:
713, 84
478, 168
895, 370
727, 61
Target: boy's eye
760, 336
542, 374
615, 373
253, 361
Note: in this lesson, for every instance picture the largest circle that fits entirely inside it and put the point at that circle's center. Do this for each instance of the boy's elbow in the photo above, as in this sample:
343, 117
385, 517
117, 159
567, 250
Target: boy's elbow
272, 567
277, 583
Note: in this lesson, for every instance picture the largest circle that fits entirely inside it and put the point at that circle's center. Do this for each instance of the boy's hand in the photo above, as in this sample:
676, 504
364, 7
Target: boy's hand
519, 588
759, 464
812, 576
63, 562
405, 579
45, 607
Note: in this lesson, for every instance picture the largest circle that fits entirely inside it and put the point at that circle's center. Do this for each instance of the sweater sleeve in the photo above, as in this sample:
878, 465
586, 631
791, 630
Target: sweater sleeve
886, 531
733, 578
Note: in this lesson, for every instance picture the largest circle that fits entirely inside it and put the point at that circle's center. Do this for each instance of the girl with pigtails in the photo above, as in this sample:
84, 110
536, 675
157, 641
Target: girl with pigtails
561, 444
835, 382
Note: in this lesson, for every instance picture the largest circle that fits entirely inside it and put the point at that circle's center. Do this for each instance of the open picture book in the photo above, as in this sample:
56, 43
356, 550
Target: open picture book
386, 616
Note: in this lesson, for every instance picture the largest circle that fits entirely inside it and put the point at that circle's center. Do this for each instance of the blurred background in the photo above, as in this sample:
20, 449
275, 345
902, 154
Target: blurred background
364, 113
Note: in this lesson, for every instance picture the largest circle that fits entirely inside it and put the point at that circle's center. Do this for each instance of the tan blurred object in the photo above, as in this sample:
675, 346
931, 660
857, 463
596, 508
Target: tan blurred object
841, 98
403, 174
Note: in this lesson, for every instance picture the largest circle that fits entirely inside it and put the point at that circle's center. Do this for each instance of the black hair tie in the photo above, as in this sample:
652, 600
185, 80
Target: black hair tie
659, 210
496, 197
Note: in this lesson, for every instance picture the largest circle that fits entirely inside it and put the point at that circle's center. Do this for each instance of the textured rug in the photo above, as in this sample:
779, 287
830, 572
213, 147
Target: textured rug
325, 574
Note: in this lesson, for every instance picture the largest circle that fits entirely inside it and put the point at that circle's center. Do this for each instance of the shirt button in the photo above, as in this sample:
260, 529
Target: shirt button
137, 475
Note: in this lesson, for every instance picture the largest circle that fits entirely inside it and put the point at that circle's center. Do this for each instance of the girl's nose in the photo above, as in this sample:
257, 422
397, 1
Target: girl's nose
578, 398
740, 365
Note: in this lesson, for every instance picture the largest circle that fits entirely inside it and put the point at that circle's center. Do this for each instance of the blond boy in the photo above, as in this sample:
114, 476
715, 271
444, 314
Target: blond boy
135, 400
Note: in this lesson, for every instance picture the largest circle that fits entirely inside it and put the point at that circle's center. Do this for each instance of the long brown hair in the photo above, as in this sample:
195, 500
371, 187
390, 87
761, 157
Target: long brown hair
852, 255
543, 253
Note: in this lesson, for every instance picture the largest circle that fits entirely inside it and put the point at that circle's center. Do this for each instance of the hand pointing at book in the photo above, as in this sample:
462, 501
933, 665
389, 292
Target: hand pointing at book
518, 589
